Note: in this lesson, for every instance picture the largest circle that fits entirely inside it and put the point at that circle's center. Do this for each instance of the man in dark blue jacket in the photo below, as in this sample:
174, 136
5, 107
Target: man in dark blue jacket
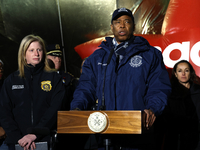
133, 78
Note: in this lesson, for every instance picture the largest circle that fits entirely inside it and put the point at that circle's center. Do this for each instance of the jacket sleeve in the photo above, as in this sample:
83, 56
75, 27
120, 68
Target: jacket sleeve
159, 87
49, 118
85, 93
6, 116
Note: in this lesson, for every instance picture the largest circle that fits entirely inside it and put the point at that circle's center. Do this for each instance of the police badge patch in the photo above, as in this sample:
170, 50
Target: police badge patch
136, 61
46, 86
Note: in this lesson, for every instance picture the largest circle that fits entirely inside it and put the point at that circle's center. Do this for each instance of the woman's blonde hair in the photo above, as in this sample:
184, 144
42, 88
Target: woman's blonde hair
24, 45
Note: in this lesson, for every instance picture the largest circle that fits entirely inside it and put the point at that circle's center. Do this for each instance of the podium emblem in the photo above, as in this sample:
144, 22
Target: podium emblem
97, 122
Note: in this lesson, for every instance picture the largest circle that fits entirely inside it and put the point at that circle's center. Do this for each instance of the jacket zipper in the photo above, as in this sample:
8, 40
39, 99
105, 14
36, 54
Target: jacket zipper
31, 85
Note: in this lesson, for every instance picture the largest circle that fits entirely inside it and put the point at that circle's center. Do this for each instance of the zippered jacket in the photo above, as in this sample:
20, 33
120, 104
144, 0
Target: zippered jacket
30, 102
140, 81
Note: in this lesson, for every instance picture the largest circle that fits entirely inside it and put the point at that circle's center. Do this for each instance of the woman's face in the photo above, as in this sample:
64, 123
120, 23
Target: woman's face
34, 53
183, 73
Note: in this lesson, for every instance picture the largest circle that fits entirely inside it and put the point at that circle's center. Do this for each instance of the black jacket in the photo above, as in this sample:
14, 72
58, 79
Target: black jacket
195, 95
1, 83
183, 106
30, 102
70, 85
181, 117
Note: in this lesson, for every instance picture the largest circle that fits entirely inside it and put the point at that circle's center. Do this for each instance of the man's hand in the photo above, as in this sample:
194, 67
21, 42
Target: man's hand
149, 118
28, 142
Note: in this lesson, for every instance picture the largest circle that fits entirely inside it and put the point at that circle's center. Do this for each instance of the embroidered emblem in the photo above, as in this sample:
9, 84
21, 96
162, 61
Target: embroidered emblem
15, 87
57, 46
136, 61
122, 9
46, 86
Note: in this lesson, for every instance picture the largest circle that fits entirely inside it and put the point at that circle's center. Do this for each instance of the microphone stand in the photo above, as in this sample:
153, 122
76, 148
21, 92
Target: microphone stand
103, 106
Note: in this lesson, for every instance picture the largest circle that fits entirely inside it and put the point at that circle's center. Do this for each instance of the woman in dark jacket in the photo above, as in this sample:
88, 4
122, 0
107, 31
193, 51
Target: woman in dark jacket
182, 114
31, 96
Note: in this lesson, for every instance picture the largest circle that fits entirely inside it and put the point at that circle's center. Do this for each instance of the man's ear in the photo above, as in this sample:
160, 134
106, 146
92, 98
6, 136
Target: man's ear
133, 28
111, 26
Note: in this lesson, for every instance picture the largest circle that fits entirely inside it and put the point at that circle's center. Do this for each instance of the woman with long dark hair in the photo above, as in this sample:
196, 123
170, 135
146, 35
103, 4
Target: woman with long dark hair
182, 114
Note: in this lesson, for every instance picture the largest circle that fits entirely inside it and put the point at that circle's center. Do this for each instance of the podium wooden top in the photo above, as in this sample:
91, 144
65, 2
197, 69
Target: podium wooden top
119, 122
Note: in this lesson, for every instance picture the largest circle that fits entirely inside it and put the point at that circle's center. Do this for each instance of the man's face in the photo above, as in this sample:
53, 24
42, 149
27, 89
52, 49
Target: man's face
56, 60
122, 28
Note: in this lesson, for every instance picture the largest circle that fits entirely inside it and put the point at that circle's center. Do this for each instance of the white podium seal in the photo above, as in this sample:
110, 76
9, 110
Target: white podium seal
97, 122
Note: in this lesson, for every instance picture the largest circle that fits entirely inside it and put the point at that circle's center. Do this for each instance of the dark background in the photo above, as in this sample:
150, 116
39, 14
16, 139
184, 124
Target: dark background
80, 21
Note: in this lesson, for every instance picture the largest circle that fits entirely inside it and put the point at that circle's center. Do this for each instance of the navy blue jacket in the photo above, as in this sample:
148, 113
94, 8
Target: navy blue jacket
139, 82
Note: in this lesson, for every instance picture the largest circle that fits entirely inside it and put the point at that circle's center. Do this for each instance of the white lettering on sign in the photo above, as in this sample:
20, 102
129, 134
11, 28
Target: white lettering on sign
194, 54
184, 48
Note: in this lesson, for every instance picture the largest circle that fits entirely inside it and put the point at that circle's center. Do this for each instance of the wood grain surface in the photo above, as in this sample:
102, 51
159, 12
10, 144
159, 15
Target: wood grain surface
119, 122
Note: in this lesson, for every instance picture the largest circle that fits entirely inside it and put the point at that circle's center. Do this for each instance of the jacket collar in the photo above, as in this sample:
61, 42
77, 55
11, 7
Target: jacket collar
139, 44
31, 70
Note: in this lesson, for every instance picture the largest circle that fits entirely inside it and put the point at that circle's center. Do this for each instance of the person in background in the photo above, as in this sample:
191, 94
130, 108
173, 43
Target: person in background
182, 114
54, 53
3, 146
30, 97
135, 79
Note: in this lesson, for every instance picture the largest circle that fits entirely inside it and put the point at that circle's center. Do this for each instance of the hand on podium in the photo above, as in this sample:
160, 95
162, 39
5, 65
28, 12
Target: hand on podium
148, 118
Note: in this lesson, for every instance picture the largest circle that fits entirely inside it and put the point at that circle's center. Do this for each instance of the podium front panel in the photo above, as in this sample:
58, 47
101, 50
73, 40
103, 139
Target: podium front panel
119, 122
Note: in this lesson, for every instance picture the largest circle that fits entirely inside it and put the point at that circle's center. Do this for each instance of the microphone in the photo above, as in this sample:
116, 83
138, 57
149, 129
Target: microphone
110, 56
38, 130
103, 106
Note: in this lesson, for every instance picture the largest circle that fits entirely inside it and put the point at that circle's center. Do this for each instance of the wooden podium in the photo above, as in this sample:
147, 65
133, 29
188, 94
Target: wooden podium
113, 122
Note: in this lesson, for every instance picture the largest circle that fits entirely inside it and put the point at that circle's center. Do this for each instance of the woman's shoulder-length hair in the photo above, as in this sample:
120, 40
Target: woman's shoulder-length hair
24, 45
